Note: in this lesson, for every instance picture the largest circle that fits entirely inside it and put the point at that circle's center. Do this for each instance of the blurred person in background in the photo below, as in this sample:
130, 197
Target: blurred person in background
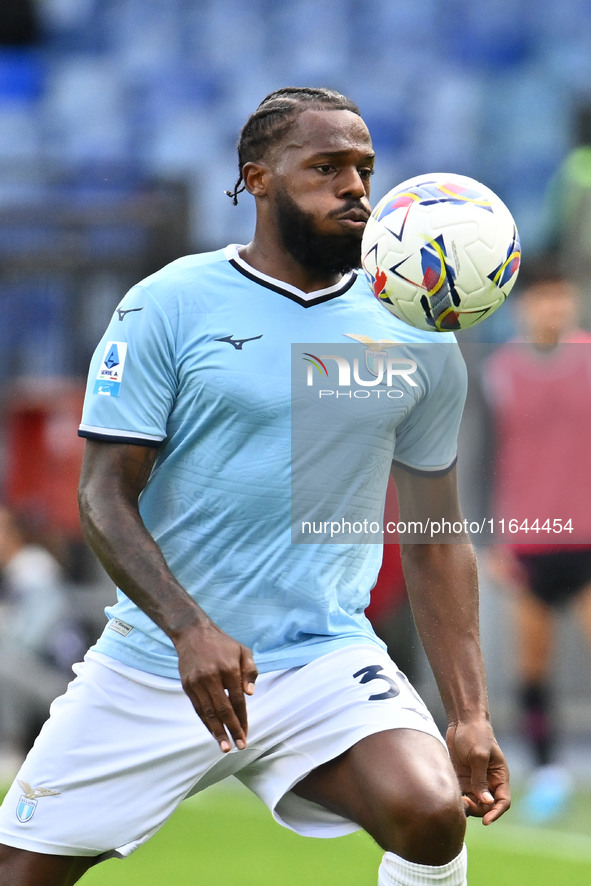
538, 390
38, 641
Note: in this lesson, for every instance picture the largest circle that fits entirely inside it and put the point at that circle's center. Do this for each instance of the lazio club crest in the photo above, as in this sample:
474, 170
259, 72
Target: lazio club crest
25, 808
374, 352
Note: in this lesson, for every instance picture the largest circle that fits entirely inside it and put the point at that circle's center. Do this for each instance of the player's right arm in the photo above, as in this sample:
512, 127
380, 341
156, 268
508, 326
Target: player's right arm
216, 671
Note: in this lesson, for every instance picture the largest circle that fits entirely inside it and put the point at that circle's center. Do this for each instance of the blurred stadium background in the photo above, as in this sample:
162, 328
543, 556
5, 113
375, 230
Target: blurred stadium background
118, 124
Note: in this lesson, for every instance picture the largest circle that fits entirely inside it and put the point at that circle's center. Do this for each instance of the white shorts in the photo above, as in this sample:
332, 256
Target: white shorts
122, 748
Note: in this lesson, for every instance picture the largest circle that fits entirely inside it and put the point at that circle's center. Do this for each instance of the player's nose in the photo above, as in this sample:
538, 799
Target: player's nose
352, 184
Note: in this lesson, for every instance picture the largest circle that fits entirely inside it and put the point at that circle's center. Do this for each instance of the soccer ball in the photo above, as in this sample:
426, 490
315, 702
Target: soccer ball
441, 251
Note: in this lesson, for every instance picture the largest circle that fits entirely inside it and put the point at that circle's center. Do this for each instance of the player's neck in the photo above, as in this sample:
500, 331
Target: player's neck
276, 262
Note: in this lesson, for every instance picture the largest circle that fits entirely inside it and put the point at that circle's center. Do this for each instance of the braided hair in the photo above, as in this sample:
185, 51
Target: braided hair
273, 119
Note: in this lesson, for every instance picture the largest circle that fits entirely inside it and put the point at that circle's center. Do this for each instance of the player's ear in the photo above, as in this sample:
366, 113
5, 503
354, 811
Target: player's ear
256, 178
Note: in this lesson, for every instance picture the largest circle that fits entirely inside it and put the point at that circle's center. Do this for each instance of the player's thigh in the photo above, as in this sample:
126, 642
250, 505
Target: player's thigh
18, 867
117, 755
398, 785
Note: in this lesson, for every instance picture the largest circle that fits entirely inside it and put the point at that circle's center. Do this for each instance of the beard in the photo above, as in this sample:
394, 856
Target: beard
321, 253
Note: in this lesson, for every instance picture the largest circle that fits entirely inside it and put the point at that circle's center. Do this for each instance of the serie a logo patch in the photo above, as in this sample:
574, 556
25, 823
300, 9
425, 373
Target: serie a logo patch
110, 372
27, 803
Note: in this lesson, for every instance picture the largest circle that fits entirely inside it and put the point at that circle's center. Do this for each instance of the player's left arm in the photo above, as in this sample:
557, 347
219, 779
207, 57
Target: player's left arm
442, 581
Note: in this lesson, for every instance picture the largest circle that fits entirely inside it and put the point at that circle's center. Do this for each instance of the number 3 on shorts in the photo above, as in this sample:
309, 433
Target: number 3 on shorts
372, 672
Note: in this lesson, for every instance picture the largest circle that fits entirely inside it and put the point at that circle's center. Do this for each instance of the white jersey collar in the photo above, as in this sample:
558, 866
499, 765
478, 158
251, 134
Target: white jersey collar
318, 295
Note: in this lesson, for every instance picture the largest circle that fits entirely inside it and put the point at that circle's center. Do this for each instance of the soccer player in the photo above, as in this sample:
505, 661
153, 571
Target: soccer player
233, 650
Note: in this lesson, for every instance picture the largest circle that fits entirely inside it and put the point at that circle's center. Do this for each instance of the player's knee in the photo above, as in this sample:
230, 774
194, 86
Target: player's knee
428, 827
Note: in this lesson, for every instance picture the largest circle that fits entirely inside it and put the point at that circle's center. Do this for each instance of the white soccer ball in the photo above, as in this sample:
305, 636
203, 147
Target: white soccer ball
441, 251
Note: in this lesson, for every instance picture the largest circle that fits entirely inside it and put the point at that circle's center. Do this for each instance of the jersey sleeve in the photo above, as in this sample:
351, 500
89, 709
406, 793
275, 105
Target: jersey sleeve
132, 378
427, 439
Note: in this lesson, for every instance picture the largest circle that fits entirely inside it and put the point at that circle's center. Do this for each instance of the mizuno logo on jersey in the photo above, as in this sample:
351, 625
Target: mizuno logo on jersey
123, 312
238, 342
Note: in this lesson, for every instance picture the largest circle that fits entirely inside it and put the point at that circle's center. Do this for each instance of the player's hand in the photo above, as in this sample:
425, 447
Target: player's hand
217, 673
481, 769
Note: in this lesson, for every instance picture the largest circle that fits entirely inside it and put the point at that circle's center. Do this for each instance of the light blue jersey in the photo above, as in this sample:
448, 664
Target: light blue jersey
214, 363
